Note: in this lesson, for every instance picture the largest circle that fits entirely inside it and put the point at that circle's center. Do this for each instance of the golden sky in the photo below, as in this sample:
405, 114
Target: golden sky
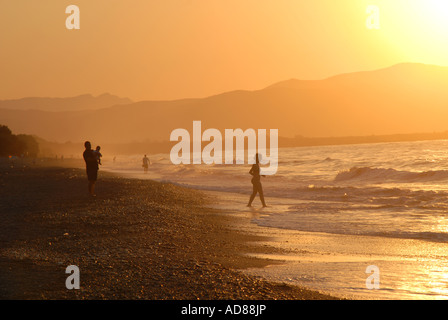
170, 49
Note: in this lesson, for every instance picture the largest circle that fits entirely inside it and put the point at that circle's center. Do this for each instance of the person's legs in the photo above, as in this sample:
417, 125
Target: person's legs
260, 192
252, 196
257, 188
92, 177
92, 187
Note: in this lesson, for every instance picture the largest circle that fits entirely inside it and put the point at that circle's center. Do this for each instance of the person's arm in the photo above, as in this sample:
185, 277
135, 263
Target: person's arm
251, 171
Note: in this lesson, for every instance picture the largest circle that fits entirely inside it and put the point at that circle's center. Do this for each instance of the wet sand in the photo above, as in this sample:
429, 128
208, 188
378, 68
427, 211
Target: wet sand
138, 239
336, 264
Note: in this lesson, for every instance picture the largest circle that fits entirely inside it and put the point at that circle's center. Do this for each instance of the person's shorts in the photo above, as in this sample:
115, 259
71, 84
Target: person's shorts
92, 174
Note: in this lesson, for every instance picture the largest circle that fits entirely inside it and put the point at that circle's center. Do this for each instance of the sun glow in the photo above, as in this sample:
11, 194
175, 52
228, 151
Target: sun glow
434, 14
417, 28
437, 9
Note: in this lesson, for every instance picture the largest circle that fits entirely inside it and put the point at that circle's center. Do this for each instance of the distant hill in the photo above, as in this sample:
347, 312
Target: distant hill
82, 102
404, 98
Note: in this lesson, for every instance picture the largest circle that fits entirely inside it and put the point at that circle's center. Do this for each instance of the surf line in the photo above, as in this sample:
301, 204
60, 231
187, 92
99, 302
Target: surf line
212, 153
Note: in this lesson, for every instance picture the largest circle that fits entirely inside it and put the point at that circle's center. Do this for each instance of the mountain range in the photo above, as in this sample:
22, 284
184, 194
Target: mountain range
81, 102
404, 98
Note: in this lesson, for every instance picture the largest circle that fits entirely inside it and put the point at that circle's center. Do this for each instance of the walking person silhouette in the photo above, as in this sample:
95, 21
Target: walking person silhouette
256, 182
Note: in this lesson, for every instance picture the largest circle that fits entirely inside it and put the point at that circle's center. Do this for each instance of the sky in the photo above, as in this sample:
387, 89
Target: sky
174, 49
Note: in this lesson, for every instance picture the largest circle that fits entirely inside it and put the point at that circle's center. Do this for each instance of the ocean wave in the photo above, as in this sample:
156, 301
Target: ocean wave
373, 198
369, 174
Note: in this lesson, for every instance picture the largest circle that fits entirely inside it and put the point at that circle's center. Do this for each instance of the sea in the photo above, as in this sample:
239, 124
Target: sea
337, 213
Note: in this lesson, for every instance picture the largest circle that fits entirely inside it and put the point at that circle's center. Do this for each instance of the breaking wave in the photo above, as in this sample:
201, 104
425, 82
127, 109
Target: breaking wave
368, 174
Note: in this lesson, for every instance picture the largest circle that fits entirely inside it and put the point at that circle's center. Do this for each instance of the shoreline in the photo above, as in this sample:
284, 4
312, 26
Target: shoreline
336, 263
138, 239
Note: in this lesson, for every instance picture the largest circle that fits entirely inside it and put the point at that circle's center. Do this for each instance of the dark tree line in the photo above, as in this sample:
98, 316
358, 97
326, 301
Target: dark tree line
17, 145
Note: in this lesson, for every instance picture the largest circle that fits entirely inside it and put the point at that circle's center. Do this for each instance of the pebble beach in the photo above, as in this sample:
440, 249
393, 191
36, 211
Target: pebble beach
136, 240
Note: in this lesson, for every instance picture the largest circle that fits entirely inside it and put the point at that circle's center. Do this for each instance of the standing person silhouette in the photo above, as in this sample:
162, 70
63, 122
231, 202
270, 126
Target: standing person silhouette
145, 164
256, 183
91, 167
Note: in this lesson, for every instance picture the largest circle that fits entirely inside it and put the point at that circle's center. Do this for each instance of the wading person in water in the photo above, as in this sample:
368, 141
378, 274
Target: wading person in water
145, 164
91, 166
256, 183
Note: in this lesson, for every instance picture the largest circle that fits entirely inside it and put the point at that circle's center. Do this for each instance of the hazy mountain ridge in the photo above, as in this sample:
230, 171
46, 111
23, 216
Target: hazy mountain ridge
404, 98
77, 103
